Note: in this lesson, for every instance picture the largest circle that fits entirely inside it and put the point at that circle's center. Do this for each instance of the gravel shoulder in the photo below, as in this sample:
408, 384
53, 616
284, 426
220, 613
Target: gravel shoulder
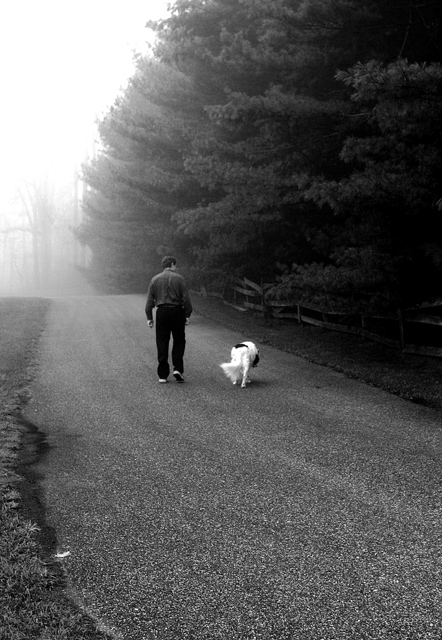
414, 378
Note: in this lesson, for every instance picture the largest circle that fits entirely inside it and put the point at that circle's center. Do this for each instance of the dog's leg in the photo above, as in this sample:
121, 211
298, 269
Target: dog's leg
245, 371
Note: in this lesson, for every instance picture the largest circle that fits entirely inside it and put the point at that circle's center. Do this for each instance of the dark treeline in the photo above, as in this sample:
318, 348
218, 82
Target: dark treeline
296, 140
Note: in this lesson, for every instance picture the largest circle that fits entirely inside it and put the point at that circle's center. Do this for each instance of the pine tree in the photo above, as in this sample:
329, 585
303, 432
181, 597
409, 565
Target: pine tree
137, 181
388, 251
229, 144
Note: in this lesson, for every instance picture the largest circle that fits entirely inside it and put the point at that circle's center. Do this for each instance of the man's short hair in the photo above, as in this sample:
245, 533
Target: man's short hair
168, 261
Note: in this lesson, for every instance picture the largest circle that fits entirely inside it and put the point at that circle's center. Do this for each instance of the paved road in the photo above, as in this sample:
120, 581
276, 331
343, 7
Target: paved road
307, 506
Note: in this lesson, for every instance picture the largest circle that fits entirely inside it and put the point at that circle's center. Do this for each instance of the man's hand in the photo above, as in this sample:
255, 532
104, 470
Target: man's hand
187, 321
150, 324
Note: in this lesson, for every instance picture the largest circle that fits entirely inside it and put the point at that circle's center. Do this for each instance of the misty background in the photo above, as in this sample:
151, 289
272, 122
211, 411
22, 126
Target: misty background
62, 65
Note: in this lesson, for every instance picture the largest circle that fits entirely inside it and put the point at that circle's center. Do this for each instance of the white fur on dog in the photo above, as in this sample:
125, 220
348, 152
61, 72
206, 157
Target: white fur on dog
243, 357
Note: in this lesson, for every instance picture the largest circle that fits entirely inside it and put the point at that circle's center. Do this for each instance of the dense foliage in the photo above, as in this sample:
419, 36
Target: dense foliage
299, 138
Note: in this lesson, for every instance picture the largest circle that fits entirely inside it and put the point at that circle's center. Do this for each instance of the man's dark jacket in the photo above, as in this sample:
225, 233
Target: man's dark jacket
168, 288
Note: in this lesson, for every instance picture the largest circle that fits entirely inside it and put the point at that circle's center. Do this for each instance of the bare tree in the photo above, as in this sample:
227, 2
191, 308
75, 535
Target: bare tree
37, 198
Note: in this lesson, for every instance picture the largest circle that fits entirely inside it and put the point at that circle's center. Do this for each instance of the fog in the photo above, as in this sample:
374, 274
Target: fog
39, 253
63, 64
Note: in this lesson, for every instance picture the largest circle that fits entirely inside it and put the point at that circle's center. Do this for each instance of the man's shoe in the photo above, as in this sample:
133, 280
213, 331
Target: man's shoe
178, 376
162, 380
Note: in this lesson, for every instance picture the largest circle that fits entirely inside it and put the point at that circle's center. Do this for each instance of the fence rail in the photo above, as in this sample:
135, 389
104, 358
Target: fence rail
413, 331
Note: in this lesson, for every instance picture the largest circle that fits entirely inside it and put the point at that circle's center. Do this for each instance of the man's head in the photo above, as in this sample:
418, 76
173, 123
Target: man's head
168, 262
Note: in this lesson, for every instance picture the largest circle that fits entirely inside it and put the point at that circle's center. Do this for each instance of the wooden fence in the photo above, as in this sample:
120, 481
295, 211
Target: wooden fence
416, 331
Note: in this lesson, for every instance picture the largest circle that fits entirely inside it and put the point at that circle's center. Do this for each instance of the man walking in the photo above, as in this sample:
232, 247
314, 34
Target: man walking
168, 292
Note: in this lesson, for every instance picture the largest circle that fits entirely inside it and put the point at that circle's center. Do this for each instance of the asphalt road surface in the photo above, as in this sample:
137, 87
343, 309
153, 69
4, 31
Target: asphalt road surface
307, 506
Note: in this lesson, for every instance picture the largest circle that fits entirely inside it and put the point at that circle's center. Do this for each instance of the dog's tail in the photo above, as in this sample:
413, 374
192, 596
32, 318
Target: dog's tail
233, 369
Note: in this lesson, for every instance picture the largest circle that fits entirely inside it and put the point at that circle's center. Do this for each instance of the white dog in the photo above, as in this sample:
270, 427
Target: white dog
244, 355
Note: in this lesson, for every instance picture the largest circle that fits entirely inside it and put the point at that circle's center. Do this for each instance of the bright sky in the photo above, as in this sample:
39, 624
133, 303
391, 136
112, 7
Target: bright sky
62, 62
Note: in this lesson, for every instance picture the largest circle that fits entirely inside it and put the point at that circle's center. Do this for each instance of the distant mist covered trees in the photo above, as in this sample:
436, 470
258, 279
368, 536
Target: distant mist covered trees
293, 140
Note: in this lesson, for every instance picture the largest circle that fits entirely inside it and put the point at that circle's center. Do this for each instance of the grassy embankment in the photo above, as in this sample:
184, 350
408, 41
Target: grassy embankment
33, 603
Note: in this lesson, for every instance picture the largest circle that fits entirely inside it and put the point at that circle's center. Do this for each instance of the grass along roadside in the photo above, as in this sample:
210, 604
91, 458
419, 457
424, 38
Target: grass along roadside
33, 603
412, 377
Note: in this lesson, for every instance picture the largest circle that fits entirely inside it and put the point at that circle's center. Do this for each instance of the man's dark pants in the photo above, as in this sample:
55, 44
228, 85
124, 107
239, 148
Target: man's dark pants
170, 320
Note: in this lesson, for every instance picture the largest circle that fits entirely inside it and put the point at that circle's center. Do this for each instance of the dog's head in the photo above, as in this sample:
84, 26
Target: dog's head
256, 360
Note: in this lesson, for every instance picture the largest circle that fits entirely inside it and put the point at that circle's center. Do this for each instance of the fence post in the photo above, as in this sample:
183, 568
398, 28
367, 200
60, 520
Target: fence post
401, 328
